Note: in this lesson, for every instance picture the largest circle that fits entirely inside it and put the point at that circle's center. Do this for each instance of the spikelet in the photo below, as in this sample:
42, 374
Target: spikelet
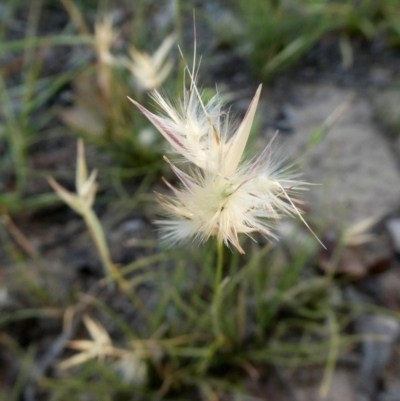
104, 38
150, 71
221, 195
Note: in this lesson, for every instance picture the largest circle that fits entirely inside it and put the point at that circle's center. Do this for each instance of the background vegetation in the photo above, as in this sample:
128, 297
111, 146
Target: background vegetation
161, 332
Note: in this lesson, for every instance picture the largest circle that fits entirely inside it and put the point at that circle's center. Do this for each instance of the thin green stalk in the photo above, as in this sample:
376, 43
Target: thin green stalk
218, 288
97, 234
178, 24
334, 349
15, 137
220, 262
24, 374
31, 64
45, 41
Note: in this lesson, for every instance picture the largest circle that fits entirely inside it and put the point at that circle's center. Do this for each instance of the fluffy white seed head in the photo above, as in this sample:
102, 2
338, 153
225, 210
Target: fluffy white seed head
221, 195
253, 199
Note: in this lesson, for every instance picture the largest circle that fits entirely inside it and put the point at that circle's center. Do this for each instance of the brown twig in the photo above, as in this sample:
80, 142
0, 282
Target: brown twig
19, 237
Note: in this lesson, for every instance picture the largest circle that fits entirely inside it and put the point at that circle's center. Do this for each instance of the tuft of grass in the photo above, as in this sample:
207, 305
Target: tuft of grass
33, 102
190, 343
279, 33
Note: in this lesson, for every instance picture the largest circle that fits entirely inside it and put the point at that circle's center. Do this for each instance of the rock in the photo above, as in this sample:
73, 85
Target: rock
393, 227
352, 162
386, 104
381, 76
376, 353
388, 289
341, 388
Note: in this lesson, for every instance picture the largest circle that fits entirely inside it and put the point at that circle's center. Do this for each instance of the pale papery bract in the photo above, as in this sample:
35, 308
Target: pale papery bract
150, 71
220, 195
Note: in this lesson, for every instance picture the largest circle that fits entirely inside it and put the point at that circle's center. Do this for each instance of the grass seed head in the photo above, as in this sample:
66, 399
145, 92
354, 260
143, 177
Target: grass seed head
221, 194
105, 36
150, 71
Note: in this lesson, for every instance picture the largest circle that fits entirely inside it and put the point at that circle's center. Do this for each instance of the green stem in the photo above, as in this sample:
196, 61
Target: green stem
178, 24
220, 262
97, 234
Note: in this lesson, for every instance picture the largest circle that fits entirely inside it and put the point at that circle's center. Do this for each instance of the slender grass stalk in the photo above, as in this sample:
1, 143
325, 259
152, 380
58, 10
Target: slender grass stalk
334, 349
15, 138
23, 376
179, 24
96, 232
220, 262
76, 16
31, 65
30, 313
216, 311
45, 41
19, 236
